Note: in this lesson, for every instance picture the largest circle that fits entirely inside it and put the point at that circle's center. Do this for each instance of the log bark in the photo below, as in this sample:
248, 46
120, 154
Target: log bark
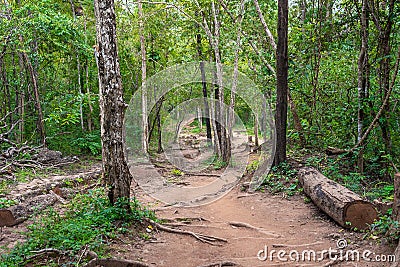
344, 206
396, 215
19, 213
396, 200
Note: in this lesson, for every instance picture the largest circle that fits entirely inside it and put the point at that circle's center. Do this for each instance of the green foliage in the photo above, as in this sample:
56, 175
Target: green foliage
385, 227
90, 220
90, 142
218, 163
282, 178
253, 166
177, 172
5, 203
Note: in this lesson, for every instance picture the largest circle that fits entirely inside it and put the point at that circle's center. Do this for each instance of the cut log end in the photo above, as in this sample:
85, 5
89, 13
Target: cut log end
360, 214
344, 206
7, 218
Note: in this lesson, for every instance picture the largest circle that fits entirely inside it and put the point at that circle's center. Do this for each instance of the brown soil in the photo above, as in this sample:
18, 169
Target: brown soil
279, 224
249, 223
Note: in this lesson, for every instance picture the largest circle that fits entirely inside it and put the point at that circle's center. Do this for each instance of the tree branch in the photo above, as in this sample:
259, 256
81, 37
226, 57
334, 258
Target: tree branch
381, 110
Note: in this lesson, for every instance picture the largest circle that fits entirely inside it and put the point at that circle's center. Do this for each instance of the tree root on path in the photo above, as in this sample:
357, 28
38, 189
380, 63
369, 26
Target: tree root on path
115, 263
220, 264
249, 226
333, 262
296, 246
212, 240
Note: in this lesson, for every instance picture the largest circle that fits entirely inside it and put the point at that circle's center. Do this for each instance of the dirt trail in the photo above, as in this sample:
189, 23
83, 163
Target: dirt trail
250, 223
279, 224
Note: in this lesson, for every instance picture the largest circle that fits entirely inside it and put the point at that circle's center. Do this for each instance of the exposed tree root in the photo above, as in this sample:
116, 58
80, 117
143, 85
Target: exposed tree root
115, 263
46, 251
249, 226
202, 174
333, 262
220, 264
212, 240
295, 246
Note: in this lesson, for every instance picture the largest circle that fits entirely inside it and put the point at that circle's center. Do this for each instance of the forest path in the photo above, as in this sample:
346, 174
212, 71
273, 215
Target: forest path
249, 223
279, 224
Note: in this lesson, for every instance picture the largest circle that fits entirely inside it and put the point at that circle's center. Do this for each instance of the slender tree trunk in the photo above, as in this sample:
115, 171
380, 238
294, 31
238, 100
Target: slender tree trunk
89, 118
265, 26
145, 124
116, 175
231, 114
159, 132
281, 82
384, 77
21, 102
362, 80
256, 143
90, 115
224, 152
204, 86
199, 118
296, 119
78, 66
38, 107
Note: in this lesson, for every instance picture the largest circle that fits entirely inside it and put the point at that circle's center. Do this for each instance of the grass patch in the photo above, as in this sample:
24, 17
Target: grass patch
89, 221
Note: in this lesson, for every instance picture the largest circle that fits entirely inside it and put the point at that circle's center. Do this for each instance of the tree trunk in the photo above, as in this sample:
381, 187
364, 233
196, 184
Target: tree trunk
224, 152
89, 118
145, 124
344, 206
231, 112
362, 80
265, 26
384, 49
116, 173
90, 114
281, 82
21, 212
396, 214
296, 119
78, 66
204, 85
38, 107
199, 118
21, 100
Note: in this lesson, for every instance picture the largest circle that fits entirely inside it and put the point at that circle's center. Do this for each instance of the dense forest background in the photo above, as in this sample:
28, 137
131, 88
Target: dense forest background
343, 94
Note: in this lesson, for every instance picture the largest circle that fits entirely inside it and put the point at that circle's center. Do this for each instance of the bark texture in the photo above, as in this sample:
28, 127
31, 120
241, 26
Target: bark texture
396, 214
116, 175
21, 212
145, 123
344, 206
281, 82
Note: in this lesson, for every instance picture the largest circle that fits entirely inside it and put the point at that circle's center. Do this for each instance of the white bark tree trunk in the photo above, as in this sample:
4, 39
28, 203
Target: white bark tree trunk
116, 175
145, 137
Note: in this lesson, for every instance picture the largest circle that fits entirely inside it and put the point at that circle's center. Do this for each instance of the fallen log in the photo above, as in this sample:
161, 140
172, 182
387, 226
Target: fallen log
396, 216
344, 206
21, 212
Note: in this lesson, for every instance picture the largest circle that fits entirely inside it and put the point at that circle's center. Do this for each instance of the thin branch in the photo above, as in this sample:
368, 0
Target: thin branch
266, 29
244, 34
385, 102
